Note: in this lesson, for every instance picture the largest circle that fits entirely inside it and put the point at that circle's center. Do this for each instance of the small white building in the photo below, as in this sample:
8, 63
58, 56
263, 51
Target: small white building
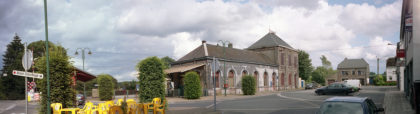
391, 70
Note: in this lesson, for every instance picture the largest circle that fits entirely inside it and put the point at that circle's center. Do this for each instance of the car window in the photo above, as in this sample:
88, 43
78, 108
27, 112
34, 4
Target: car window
341, 108
371, 105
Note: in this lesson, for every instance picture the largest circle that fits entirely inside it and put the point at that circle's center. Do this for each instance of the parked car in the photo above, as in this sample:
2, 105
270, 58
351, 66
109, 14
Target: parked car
335, 88
349, 105
355, 83
312, 85
80, 99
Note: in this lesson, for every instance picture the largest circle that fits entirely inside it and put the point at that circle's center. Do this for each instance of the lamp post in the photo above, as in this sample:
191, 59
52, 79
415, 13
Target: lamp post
48, 57
83, 60
224, 42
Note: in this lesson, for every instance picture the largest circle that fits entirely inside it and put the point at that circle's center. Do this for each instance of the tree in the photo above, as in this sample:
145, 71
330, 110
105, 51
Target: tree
325, 62
106, 87
319, 74
12, 87
192, 85
38, 48
60, 79
248, 85
167, 61
305, 65
151, 79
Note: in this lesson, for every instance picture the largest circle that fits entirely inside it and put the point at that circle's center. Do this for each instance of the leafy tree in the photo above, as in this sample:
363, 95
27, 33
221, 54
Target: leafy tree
372, 74
378, 80
60, 79
12, 87
248, 85
151, 79
38, 48
305, 65
319, 74
167, 61
192, 85
106, 87
325, 62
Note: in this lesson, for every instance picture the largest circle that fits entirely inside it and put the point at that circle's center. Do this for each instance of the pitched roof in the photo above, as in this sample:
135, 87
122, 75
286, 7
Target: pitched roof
233, 54
269, 40
353, 63
390, 61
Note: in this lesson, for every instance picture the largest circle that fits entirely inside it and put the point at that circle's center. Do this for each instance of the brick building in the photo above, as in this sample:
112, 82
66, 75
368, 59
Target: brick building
353, 69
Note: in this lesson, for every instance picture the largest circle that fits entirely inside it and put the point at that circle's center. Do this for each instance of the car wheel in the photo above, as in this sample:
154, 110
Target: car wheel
319, 93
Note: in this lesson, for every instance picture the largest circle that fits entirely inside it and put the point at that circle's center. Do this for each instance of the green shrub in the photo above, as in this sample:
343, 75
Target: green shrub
151, 79
248, 85
106, 87
378, 80
192, 85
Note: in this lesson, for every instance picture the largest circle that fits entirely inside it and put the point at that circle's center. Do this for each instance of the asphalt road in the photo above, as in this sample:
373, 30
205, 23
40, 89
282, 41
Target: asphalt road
296, 102
17, 107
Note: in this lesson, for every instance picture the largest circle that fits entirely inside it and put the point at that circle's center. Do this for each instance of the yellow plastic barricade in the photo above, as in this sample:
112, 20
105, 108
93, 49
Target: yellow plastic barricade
129, 100
119, 102
131, 107
87, 109
159, 107
140, 109
56, 108
115, 110
71, 110
102, 108
150, 106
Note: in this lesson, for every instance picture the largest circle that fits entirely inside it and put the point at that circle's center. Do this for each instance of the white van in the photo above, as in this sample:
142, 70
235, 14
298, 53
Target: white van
354, 83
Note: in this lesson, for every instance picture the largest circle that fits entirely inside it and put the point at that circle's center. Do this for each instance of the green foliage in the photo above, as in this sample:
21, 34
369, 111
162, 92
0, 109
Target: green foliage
192, 85
325, 62
151, 79
167, 61
12, 87
124, 106
60, 79
248, 85
305, 65
320, 73
38, 48
106, 87
378, 80
128, 85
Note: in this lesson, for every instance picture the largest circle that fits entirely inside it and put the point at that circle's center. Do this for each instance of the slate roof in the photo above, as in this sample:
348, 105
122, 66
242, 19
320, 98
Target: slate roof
390, 61
233, 54
269, 40
353, 63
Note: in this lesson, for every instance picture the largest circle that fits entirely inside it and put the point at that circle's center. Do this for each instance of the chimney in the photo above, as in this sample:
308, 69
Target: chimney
203, 42
230, 45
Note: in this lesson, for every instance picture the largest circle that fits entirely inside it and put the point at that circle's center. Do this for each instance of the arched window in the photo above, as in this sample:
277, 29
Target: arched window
244, 73
256, 79
231, 76
296, 83
265, 79
217, 79
282, 79
290, 79
274, 79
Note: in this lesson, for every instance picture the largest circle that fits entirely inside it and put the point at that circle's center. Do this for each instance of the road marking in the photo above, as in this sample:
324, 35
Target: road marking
269, 108
212, 105
300, 99
8, 108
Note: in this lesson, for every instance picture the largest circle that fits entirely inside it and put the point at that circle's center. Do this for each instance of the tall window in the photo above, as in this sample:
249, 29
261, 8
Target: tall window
353, 72
290, 79
217, 79
256, 78
295, 62
296, 83
290, 60
282, 79
274, 79
231, 78
359, 73
244, 73
265, 79
282, 58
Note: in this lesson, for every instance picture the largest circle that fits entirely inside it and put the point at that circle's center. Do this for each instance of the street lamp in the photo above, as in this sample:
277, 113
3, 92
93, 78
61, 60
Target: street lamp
83, 60
224, 62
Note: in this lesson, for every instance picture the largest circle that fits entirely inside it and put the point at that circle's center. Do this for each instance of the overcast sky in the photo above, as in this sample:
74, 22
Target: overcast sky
120, 33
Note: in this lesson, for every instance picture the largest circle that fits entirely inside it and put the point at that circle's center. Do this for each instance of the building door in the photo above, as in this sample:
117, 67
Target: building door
274, 80
231, 79
282, 79
256, 80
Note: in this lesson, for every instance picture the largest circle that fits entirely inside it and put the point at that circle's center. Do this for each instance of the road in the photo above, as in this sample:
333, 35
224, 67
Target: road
295, 102
17, 107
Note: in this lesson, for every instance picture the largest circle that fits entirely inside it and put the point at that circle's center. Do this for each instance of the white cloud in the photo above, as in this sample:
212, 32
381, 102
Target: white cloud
183, 43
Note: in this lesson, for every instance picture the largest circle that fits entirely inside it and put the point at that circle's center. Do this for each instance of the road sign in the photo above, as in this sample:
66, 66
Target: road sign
27, 59
27, 74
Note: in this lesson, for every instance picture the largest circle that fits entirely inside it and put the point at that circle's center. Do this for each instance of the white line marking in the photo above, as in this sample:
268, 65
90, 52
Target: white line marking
212, 105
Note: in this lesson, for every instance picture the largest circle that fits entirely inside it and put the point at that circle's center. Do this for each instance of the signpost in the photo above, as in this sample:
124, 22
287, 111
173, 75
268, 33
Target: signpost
27, 60
215, 65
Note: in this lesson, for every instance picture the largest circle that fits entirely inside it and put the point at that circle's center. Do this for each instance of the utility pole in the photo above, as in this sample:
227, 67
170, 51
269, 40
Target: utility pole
224, 63
47, 57
377, 69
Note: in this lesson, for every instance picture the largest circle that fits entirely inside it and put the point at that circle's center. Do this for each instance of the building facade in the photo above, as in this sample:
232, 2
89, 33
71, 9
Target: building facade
391, 70
410, 50
353, 69
270, 60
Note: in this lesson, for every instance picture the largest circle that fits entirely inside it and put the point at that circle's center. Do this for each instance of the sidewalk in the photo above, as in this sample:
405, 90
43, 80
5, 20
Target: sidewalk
395, 102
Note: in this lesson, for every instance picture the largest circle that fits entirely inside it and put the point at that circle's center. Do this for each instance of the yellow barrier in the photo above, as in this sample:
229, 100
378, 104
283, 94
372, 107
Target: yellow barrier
56, 108
159, 108
87, 109
115, 110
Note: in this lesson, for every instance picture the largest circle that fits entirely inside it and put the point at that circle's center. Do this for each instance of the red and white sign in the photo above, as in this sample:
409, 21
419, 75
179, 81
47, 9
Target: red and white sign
400, 53
27, 74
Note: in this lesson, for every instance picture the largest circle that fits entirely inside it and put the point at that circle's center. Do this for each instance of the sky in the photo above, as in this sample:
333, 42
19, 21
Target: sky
120, 33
